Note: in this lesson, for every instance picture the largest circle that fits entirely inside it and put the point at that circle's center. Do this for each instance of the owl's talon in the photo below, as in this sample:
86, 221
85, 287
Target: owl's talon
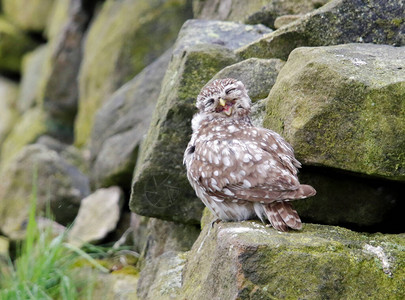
216, 221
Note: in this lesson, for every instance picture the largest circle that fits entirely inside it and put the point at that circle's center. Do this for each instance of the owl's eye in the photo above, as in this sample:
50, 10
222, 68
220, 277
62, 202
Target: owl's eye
209, 102
229, 91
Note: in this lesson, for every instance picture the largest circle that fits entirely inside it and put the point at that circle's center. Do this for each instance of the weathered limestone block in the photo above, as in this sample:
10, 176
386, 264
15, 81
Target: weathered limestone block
342, 107
250, 261
59, 80
124, 37
32, 17
160, 187
121, 124
98, 215
13, 45
252, 11
32, 74
28, 128
337, 22
258, 75
57, 182
8, 111
163, 258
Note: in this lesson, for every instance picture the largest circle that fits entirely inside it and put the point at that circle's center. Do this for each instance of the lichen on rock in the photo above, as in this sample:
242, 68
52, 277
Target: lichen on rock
340, 106
250, 261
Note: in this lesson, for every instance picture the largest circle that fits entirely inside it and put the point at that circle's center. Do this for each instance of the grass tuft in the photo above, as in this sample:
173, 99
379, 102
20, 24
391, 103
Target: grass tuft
43, 268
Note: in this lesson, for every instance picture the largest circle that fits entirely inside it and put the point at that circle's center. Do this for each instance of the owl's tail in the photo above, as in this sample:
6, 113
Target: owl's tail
282, 215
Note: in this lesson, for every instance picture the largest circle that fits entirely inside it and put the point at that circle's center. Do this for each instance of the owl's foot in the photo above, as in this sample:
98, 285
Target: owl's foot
216, 221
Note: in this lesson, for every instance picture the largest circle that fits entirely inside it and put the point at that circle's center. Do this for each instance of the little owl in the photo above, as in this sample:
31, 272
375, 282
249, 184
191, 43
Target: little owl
238, 170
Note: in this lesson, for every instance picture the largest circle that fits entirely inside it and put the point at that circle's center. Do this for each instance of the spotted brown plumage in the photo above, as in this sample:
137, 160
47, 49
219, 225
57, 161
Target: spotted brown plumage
238, 170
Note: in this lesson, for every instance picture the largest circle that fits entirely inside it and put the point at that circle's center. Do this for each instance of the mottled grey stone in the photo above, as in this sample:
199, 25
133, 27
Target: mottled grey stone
121, 124
337, 22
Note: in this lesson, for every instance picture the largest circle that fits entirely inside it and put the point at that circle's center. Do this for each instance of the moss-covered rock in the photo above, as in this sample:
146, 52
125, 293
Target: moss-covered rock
342, 107
337, 22
121, 124
160, 187
13, 45
32, 17
252, 11
28, 128
59, 14
8, 111
250, 261
56, 181
134, 33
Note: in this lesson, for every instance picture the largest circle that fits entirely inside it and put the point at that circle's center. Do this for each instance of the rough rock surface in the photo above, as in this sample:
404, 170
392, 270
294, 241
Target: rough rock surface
160, 187
252, 11
98, 215
342, 107
258, 75
27, 129
32, 74
121, 124
337, 22
8, 111
60, 85
163, 258
134, 33
32, 17
250, 261
56, 181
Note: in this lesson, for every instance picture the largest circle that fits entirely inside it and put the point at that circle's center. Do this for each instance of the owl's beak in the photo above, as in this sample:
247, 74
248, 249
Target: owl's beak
227, 108
222, 102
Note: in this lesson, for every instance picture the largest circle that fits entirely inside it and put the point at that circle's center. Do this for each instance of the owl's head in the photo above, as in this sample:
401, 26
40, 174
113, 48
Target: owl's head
224, 98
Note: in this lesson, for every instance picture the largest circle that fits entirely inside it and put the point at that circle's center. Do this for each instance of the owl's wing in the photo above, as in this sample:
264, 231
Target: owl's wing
258, 166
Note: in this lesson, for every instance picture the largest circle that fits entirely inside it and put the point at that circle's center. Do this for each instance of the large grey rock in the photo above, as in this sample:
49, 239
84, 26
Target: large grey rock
124, 37
31, 82
340, 107
163, 258
160, 187
27, 129
98, 215
258, 75
60, 83
252, 11
121, 124
32, 17
57, 182
250, 261
337, 22
8, 111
